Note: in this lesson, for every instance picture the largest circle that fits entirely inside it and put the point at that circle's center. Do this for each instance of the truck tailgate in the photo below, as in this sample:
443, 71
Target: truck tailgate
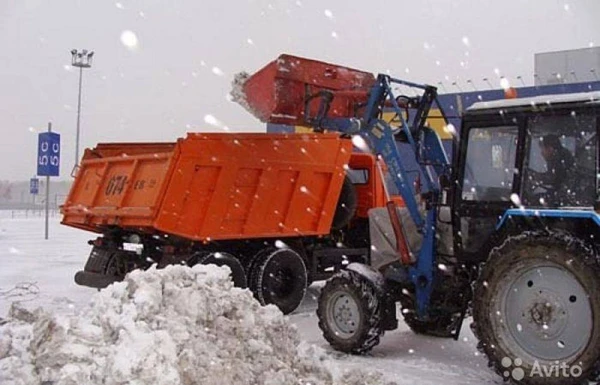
118, 184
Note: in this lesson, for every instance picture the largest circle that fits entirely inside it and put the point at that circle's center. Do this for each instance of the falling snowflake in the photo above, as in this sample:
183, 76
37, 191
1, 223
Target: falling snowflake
129, 39
449, 128
209, 119
280, 244
359, 142
514, 198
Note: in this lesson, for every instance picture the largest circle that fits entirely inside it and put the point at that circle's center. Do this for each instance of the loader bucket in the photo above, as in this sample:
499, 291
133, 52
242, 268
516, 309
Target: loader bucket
289, 90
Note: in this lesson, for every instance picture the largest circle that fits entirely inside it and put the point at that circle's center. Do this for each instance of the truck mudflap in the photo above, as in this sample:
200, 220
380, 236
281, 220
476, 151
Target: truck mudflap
94, 273
95, 280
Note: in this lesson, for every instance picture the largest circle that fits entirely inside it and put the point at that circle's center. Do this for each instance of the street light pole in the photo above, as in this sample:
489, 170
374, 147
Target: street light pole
81, 59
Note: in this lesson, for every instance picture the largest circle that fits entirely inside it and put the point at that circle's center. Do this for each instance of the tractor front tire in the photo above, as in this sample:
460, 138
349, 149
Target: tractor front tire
350, 313
536, 308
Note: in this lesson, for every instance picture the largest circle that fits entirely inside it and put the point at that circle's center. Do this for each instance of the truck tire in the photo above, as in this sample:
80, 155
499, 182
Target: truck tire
537, 307
346, 206
279, 277
117, 266
224, 259
350, 311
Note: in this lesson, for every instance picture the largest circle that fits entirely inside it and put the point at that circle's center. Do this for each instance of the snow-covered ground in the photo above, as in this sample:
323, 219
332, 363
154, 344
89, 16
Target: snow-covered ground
40, 272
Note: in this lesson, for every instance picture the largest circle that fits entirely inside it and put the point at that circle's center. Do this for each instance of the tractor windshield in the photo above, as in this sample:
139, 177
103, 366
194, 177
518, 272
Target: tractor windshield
560, 162
490, 163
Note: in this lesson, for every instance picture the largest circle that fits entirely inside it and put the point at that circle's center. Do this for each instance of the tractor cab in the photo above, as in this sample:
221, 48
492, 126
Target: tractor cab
535, 153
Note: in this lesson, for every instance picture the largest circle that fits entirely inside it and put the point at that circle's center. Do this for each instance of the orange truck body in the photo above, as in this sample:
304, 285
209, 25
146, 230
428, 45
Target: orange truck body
209, 187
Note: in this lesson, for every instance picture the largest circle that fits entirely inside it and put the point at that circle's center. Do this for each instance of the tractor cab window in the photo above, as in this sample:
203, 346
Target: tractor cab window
490, 164
560, 166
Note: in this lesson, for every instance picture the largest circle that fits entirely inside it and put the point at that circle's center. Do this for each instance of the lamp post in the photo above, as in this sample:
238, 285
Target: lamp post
81, 59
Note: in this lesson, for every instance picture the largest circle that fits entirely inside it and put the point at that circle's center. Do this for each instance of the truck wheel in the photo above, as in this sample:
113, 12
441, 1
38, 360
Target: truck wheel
346, 206
536, 309
349, 312
225, 259
117, 266
279, 277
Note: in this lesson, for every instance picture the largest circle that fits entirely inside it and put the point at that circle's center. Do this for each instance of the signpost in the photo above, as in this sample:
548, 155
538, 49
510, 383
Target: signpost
48, 162
34, 187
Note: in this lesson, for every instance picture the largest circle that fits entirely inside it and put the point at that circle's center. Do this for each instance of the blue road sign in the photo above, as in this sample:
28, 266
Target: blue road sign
34, 186
48, 160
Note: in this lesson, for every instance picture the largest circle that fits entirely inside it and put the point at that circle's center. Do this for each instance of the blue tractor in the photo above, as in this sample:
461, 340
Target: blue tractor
506, 231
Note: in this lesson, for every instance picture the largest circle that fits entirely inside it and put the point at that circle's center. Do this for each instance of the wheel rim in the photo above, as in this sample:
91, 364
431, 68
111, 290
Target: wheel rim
281, 283
116, 267
542, 312
343, 315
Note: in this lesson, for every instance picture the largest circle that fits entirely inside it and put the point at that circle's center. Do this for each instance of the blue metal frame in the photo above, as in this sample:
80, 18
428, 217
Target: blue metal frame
429, 152
548, 213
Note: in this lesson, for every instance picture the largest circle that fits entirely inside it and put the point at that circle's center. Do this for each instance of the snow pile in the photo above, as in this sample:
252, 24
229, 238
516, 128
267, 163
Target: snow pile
177, 325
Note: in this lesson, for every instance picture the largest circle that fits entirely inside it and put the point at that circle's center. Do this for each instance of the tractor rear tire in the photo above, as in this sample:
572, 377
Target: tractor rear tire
279, 277
537, 307
350, 313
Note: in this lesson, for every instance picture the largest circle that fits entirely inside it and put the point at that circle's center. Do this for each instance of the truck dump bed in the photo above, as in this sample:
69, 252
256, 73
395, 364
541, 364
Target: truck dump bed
212, 186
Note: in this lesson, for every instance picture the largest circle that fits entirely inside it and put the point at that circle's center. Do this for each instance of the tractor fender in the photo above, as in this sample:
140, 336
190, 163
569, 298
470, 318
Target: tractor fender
531, 217
370, 274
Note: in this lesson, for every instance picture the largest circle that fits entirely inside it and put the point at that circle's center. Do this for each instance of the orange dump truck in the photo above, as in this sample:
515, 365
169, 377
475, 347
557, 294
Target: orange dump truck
281, 210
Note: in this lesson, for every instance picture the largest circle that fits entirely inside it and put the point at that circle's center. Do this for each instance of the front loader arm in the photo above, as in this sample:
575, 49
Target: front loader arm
298, 91
426, 149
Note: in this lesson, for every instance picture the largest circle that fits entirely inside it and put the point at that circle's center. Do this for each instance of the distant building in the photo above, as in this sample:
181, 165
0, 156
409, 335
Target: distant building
569, 66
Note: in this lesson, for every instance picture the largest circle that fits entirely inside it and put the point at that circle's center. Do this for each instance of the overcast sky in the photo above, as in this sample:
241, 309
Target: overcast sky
179, 74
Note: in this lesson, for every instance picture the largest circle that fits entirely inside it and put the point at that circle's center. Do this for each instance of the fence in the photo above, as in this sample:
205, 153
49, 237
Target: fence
29, 213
